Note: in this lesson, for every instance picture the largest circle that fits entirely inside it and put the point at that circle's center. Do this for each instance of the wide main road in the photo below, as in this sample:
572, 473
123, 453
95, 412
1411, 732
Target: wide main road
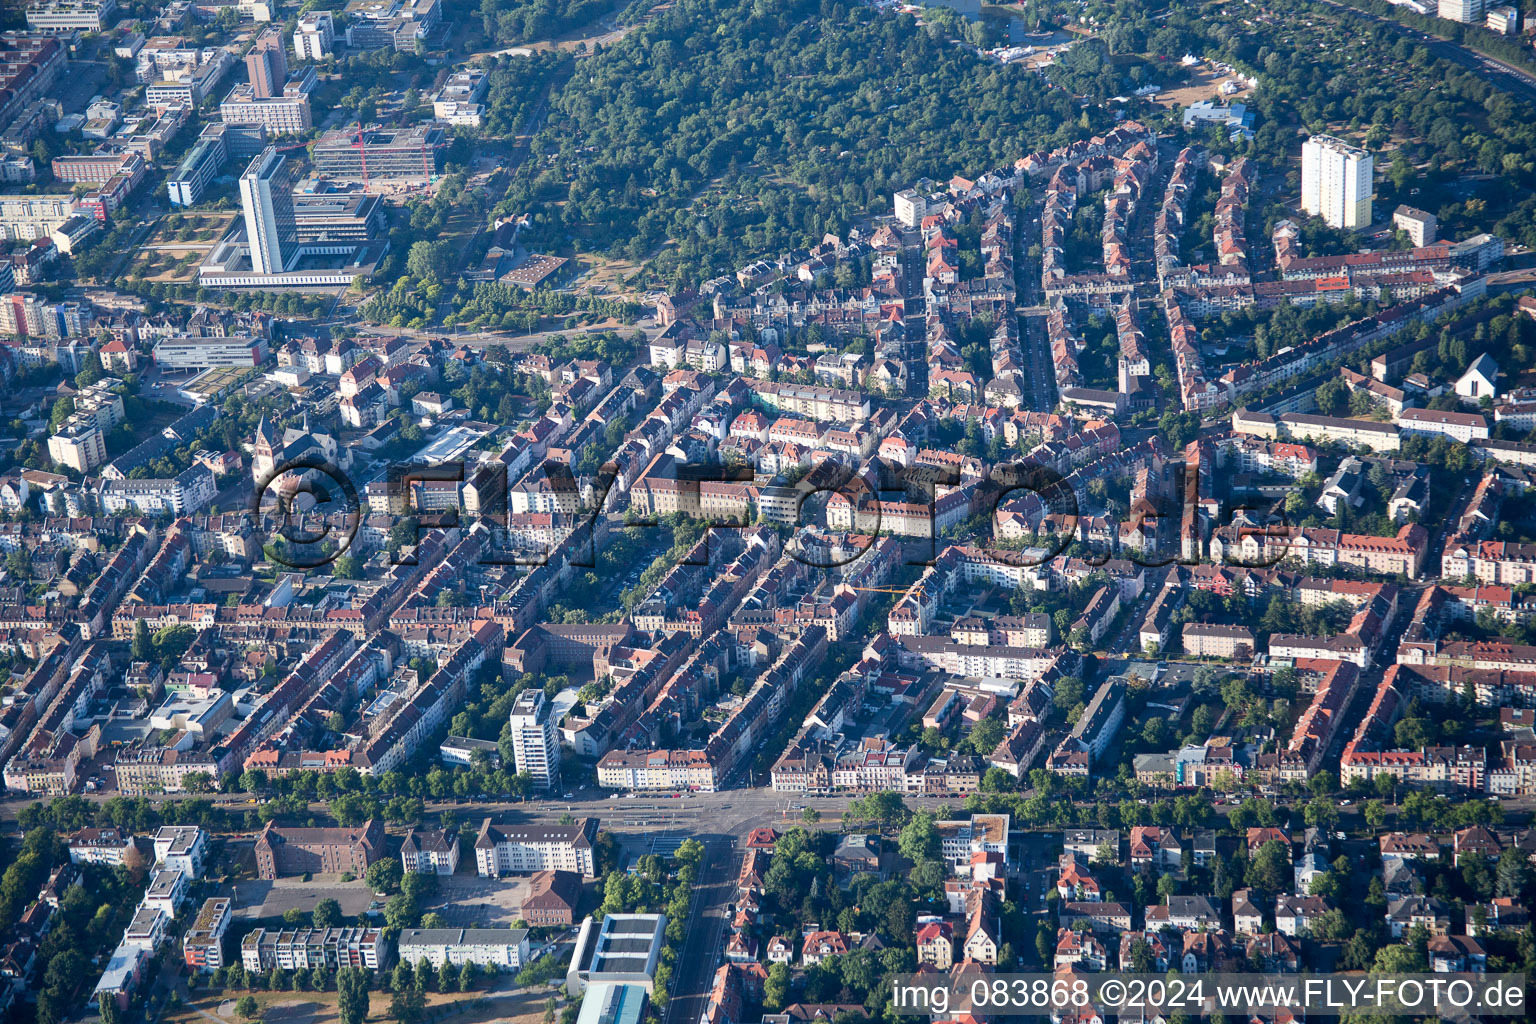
693, 972
1507, 77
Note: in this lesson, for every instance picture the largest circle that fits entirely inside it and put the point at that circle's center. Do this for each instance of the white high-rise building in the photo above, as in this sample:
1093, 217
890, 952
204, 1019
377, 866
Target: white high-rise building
910, 207
535, 741
266, 195
1336, 182
1468, 12
315, 36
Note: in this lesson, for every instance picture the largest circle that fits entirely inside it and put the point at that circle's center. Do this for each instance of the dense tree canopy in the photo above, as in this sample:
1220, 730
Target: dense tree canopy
735, 127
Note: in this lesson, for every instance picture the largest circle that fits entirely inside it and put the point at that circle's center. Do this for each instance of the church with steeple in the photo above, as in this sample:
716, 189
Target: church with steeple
301, 443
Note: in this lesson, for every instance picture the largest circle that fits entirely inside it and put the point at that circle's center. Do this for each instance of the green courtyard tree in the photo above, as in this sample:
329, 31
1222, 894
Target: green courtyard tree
327, 914
352, 995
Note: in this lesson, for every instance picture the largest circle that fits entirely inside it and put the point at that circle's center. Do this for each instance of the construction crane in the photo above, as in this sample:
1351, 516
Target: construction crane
878, 590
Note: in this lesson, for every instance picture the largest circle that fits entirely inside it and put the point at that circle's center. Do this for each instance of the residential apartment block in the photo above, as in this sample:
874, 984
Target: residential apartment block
524, 849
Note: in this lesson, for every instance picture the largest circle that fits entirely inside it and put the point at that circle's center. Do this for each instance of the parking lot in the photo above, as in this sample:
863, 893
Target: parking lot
258, 898
467, 901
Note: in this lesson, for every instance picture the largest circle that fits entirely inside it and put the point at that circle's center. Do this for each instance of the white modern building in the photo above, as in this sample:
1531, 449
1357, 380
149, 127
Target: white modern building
292, 948
1468, 12
495, 949
1503, 20
314, 38
1336, 182
535, 739
287, 114
910, 207
181, 848
148, 929
70, 15
264, 251
167, 891
458, 102
266, 196
624, 949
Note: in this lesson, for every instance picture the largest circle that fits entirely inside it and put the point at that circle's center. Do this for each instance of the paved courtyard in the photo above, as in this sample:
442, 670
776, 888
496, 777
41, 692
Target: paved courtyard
256, 898
469, 901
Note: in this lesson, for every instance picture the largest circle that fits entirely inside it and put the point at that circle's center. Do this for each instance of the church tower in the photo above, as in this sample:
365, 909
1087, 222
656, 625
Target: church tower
264, 459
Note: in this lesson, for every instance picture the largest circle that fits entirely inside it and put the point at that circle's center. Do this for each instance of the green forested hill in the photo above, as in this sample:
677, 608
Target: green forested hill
733, 127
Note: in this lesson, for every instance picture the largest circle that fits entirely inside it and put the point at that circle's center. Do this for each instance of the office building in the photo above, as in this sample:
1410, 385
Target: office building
623, 950
397, 24
96, 168
333, 215
266, 196
188, 84
524, 849
1235, 117
265, 251
607, 1003
1477, 253
265, 65
202, 163
285, 112
404, 155
494, 949
458, 102
1468, 12
71, 15
295, 851
1336, 182
288, 114
1503, 20
162, 57
191, 178
535, 740
192, 352
292, 948
462, 750
314, 37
